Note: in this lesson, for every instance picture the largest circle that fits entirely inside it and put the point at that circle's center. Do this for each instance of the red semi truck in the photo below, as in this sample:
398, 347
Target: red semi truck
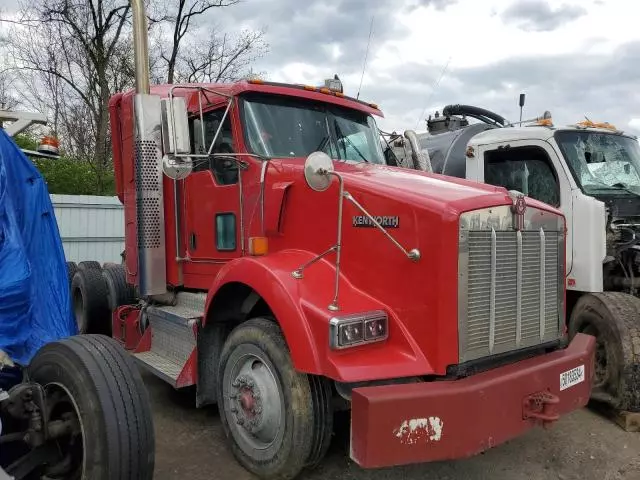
280, 265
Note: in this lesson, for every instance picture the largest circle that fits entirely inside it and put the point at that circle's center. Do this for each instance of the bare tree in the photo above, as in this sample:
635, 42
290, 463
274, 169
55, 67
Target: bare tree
180, 16
73, 48
223, 59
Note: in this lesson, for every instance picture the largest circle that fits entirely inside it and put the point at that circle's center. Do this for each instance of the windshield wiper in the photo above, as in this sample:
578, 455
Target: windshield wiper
339, 133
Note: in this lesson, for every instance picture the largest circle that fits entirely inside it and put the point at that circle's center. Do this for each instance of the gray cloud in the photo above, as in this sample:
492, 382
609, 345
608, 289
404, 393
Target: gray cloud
303, 31
539, 16
602, 87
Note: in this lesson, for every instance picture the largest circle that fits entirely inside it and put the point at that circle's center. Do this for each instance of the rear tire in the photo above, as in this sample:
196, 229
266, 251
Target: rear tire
270, 412
118, 291
89, 265
72, 268
613, 318
89, 294
110, 400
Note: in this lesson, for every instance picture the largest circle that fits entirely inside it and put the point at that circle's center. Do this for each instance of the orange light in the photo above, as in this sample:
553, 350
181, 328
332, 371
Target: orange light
49, 145
310, 88
53, 141
256, 81
545, 122
325, 90
258, 246
373, 105
590, 124
339, 94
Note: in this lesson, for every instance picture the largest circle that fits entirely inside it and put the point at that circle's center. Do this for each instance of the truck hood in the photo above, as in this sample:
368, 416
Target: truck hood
432, 191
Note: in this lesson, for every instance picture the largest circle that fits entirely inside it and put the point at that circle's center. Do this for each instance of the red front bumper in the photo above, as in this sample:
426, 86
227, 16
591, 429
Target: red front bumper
422, 422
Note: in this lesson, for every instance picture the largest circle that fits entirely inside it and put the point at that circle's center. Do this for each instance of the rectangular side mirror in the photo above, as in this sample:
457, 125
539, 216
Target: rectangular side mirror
175, 126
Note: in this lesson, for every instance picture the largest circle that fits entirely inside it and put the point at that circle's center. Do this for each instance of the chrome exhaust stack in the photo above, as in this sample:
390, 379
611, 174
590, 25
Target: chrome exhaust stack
421, 160
150, 234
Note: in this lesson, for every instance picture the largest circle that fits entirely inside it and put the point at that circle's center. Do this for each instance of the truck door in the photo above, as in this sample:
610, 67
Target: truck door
533, 168
212, 195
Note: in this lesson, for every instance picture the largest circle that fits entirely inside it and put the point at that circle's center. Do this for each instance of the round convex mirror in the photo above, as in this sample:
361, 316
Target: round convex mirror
317, 171
176, 169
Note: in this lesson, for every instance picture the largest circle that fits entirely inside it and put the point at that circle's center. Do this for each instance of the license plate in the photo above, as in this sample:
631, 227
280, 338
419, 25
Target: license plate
571, 377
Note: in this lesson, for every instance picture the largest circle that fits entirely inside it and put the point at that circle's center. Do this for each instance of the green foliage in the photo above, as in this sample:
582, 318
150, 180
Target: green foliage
69, 176
73, 177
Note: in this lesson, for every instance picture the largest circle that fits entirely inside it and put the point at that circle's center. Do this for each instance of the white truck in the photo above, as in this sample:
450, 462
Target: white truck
590, 171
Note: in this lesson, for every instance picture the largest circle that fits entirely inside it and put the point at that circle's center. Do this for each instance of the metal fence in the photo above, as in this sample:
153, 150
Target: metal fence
91, 227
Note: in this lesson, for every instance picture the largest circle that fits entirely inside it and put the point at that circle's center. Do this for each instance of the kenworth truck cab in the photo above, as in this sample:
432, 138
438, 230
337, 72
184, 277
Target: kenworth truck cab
280, 264
591, 172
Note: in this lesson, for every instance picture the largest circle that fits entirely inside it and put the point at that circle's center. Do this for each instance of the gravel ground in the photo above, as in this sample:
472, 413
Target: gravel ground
582, 446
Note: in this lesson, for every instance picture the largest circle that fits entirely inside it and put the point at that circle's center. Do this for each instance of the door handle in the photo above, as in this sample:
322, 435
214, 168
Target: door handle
192, 241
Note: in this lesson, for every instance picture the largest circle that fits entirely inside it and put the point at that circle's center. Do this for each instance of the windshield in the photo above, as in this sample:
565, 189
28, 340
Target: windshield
278, 126
601, 162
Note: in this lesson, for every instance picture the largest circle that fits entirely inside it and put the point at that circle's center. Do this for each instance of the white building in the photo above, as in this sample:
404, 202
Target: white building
91, 227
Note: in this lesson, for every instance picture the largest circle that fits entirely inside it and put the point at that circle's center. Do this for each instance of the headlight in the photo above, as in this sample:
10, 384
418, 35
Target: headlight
359, 328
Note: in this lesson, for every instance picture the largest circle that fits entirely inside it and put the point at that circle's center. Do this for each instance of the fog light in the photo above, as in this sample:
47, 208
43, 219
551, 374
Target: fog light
358, 329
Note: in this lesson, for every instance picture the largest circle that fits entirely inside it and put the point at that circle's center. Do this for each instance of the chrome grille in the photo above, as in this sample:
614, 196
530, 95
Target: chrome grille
511, 282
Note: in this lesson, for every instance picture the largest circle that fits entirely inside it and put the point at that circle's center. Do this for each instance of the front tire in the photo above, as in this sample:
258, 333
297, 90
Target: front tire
270, 412
92, 377
613, 319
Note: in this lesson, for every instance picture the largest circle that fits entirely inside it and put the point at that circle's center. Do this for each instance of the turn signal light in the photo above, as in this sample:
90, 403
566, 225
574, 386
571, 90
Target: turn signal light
358, 329
258, 246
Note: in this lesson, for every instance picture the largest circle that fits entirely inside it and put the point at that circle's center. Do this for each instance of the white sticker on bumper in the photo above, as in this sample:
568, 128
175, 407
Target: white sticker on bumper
571, 377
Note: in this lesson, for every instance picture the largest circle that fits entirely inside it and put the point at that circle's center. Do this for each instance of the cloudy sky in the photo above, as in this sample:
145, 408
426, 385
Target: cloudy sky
572, 57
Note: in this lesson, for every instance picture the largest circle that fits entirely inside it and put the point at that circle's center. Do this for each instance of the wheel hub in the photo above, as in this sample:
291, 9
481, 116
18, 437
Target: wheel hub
249, 402
255, 402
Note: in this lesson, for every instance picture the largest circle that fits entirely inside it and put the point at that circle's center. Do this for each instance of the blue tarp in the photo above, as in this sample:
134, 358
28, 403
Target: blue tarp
35, 305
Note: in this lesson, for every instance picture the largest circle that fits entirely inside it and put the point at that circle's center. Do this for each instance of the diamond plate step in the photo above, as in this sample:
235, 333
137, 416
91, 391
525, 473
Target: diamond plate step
160, 366
173, 337
172, 332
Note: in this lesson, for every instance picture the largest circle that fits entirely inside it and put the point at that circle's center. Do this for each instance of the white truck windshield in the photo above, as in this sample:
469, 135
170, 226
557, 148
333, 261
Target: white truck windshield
601, 162
276, 126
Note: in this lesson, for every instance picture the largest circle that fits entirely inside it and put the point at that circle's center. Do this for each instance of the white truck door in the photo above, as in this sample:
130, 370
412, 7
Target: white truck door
529, 166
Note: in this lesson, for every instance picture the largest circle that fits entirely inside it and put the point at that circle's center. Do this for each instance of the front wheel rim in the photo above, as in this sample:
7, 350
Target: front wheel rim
253, 402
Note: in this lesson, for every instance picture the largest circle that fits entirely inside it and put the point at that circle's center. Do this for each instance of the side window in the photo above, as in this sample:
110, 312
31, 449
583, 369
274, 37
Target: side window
525, 169
224, 169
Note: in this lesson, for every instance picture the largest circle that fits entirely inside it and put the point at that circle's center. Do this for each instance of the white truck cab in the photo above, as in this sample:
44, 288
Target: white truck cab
591, 172
530, 160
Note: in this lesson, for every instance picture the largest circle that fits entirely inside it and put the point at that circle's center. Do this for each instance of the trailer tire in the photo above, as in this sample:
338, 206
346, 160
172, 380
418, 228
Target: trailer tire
273, 439
103, 388
614, 319
89, 265
89, 294
72, 268
118, 291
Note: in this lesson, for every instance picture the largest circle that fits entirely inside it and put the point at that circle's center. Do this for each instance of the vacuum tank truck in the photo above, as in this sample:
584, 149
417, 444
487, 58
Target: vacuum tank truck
280, 265
591, 172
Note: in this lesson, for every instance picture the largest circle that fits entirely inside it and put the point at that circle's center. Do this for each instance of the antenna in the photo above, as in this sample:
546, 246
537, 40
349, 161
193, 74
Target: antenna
364, 66
521, 105
435, 86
